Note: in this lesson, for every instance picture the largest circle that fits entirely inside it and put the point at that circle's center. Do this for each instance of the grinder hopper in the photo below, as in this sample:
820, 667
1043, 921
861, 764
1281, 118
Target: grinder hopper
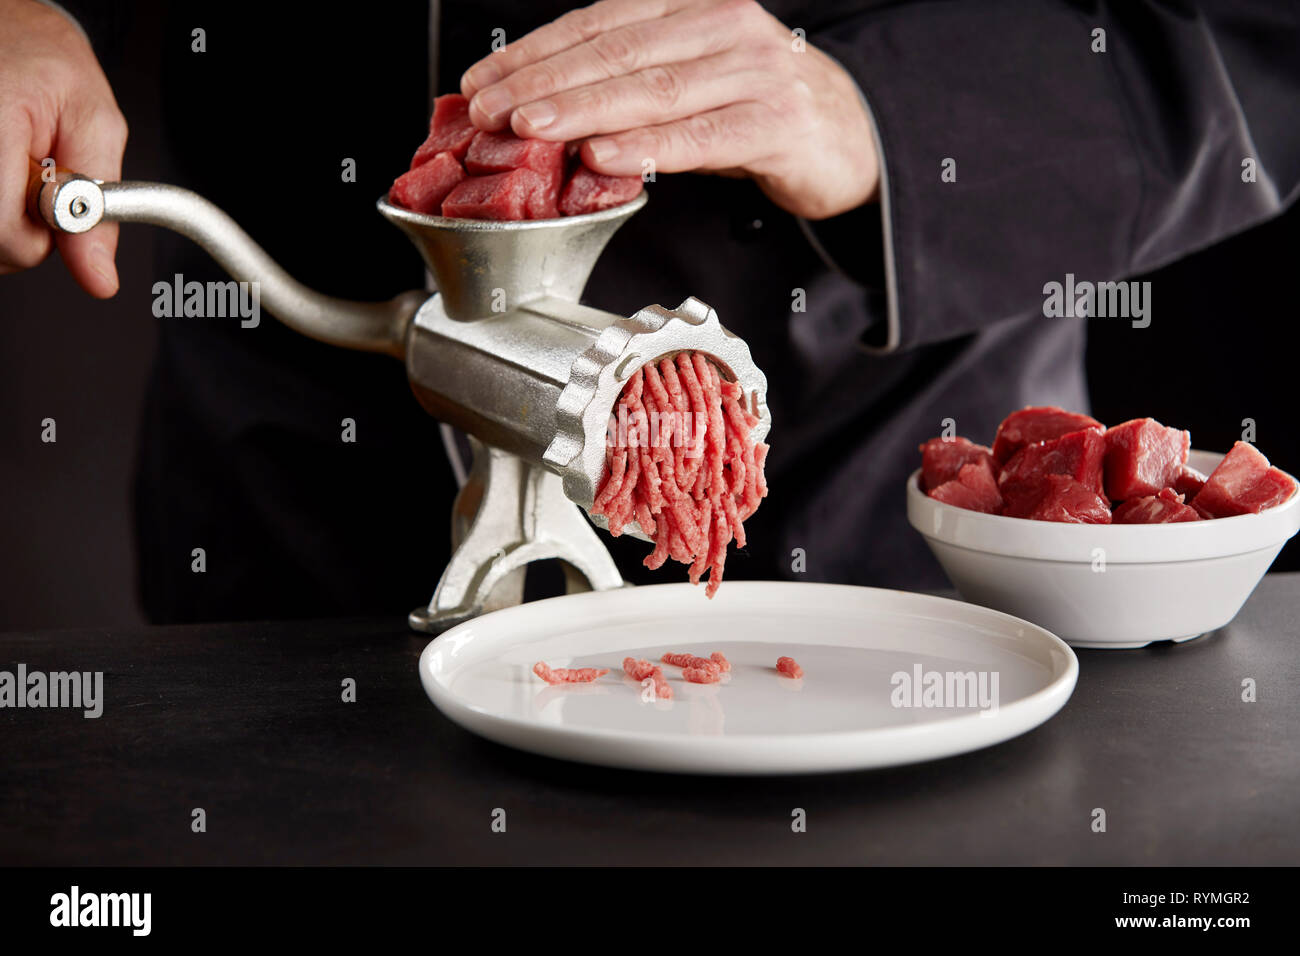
503, 350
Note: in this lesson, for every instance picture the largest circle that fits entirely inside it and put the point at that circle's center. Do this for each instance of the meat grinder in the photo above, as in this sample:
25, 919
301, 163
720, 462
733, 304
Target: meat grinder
502, 350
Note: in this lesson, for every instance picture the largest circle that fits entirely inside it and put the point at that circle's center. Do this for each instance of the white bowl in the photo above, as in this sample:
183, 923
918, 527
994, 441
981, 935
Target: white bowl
1114, 586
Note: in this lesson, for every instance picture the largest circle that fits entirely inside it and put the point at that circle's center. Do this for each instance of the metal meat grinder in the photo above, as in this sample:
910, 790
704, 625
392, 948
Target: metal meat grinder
502, 350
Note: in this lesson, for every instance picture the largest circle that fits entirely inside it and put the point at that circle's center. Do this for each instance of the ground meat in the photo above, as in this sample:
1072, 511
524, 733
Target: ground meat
721, 661
701, 675
568, 675
680, 461
637, 669
690, 660
640, 670
788, 667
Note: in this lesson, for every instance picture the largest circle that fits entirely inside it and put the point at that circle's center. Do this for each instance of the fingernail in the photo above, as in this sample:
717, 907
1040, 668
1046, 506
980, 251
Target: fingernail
603, 150
101, 263
492, 103
539, 115
483, 75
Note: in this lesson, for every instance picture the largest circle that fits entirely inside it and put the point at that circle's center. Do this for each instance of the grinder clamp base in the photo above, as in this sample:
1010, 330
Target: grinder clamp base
509, 514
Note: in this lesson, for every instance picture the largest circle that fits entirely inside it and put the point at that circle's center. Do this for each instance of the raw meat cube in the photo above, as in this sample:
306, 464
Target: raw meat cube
1143, 456
587, 191
1189, 482
502, 152
500, 196
1243, 483
449, 130
1036, 423
1272, 490
568, 675
449, 111
974, 488
942, 458
541, 204
1076, 454
1059, 498
423, 188
1165, 507
787, 667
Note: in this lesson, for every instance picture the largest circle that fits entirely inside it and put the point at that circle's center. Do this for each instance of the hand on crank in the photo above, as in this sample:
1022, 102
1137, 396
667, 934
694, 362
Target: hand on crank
54, 102
715, 86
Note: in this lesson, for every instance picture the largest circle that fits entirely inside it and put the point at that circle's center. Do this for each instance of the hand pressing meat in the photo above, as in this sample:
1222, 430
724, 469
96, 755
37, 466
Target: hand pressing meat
692, 85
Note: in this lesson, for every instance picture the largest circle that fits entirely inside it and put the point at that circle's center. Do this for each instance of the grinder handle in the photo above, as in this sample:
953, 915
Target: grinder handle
66, 201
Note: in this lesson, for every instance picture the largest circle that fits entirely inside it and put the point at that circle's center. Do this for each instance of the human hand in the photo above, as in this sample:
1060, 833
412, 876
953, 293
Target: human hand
692, 85
54, 101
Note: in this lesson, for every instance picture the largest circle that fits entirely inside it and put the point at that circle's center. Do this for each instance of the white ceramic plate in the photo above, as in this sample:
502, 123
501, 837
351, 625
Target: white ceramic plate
845, 714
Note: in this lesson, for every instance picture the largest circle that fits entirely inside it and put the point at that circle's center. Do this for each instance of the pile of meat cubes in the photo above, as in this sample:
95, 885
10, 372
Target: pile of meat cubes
463, 172
1048, 464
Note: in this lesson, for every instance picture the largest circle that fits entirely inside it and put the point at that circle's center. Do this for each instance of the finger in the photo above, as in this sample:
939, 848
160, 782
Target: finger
735, 136
685, 35
91, 142
649, 97
23, 243
575, 27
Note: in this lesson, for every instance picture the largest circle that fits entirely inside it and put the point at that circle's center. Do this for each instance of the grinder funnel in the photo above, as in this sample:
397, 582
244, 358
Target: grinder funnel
485, 267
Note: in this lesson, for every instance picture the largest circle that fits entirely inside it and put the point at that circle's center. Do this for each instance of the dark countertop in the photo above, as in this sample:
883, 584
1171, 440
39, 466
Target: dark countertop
246, 721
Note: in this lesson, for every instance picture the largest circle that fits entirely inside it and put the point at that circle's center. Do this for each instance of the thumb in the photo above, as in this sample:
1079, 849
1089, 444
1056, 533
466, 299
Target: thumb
91, 143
